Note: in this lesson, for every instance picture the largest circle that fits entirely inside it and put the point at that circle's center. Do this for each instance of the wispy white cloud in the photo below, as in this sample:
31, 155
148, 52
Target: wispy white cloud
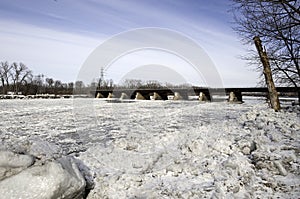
53, 53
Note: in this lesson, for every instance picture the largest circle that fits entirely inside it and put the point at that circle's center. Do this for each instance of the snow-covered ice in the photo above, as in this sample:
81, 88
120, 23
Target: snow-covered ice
54, 179
162, 149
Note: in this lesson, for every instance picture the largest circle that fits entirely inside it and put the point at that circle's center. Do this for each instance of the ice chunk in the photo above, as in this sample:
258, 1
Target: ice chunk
11, 163
53, 180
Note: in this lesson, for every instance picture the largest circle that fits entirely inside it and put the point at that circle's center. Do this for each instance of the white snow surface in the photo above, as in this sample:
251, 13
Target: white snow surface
163, 149
52, 180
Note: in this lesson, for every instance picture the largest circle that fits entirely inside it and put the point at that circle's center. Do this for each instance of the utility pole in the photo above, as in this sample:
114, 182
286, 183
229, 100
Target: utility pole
272, 92
101, 78
102, 74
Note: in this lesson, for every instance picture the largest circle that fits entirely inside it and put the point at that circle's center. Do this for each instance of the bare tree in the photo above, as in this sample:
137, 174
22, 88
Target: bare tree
2, 77
18, 77
132, 83
277, 23
27, 83
57, 86
49, 86
79, 85
273, 95
5, 70
50, 82
18, 73
38, 81
111, 83
153, 84
71, 85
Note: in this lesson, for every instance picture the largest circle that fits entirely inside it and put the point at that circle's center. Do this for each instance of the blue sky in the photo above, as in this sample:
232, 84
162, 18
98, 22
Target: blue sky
56, 37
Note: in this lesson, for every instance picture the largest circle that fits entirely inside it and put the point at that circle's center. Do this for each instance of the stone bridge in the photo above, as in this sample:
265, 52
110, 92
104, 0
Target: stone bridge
193, 91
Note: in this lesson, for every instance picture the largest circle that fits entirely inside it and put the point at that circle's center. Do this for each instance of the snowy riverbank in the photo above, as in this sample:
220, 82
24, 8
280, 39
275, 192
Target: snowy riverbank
163, 149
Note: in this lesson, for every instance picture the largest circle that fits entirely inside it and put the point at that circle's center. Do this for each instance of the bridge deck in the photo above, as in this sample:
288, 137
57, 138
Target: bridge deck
195, 91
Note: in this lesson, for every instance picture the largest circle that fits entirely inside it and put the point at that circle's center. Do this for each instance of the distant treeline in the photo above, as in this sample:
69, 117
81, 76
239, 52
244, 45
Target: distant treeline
136, 83
17, 78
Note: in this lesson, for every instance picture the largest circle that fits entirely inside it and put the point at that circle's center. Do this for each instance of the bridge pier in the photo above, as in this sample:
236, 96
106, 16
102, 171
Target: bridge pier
156, 96
202, 97
139, 96
235, 96
110, 95
123, 96
177, 96
99, 95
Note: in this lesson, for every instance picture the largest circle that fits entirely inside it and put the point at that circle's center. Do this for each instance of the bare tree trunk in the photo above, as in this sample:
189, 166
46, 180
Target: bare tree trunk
3, 86
273, 95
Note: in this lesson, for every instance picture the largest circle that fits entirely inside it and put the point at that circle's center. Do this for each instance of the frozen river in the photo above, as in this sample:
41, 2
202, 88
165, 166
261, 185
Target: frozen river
163, 149
71, 124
